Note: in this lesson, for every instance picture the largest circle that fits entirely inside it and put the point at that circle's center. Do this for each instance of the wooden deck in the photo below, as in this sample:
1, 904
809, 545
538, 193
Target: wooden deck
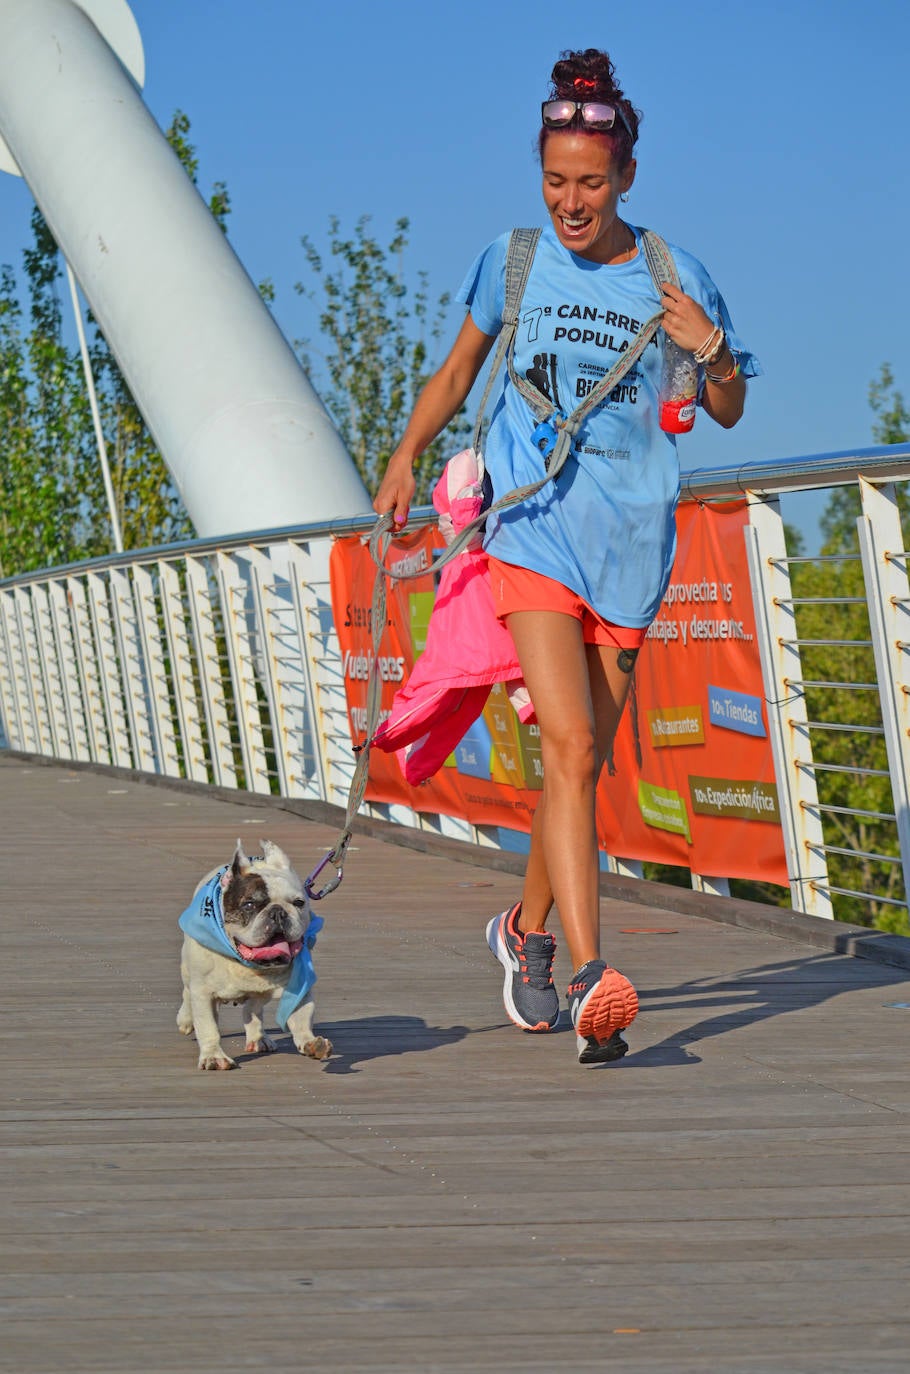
446, 1194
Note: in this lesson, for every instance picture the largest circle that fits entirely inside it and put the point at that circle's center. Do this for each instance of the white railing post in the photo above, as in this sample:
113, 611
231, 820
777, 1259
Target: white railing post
33, 673
775, 624
881, 544
123, 616
84, 640
202, 615
156, 673
58, 722
268, 609
314, 620
624, 868
112, 689
71, 686
184, 688
716, 887
234, 589
19, 721
332, 724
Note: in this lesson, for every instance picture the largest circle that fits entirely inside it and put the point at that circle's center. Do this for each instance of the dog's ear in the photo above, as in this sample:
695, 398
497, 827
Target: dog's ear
240, 863
274, 856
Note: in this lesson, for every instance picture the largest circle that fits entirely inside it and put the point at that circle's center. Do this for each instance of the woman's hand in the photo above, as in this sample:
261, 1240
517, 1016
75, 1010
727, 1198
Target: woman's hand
684, 320
396, 491
689, 326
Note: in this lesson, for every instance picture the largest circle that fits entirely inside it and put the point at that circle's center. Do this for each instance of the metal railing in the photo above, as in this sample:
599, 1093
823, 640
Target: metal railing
217, 660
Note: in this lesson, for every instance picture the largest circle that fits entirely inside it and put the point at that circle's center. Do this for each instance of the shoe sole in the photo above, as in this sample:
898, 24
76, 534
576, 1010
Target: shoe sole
610, 1006
499, 950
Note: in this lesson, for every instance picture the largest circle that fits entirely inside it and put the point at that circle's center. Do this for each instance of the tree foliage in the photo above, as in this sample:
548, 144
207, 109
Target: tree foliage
841, 694
376, 348
48, 486
891, 426
893, 423
53, 507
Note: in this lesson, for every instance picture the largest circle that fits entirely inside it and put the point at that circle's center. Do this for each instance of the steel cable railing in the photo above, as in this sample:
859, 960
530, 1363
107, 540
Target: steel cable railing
217, 660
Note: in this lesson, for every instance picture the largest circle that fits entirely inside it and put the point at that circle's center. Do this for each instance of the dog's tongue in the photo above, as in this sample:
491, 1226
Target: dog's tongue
281, 949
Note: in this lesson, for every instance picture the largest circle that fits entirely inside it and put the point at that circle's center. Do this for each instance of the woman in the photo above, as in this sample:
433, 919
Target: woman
578, 572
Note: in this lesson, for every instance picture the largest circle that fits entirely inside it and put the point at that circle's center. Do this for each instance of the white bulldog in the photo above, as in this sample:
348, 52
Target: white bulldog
248, 933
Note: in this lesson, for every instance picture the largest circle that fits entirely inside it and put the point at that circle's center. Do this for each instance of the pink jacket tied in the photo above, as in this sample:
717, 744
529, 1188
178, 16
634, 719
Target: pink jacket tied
468, 649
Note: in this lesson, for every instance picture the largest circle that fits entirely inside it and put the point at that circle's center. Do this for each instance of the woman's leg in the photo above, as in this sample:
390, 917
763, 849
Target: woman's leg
609, 676
578, 692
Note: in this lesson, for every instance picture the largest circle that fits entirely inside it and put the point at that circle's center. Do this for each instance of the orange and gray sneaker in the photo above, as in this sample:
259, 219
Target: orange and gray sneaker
528, 992
602, 1003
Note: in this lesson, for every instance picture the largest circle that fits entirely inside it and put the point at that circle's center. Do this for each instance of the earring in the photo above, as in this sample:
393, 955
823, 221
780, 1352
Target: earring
624, 197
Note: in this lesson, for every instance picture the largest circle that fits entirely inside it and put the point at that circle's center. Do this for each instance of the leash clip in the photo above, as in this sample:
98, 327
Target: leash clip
544, 436
329, 886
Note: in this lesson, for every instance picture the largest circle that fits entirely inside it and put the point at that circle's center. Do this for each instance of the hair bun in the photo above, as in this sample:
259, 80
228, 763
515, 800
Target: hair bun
588, 74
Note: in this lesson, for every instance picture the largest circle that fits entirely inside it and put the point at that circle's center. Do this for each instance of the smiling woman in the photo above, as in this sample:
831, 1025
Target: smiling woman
578, 570
582, 184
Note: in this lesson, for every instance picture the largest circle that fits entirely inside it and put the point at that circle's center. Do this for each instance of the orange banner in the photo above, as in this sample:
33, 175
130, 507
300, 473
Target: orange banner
691, 778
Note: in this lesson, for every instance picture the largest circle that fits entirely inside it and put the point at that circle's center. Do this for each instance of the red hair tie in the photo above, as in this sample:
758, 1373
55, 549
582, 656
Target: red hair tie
582, 83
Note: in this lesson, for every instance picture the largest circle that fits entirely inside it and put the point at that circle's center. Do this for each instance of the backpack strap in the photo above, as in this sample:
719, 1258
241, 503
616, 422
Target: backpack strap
659, 259
519, 259
563, 429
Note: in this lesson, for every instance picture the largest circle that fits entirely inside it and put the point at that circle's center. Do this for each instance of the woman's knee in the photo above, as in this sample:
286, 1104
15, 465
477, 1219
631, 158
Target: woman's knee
570, 754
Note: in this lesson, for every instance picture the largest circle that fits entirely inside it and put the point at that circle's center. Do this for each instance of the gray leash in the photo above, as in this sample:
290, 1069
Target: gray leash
336, 855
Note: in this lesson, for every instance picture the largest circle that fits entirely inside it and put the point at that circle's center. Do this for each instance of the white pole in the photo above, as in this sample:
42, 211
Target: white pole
96, 416
246, 438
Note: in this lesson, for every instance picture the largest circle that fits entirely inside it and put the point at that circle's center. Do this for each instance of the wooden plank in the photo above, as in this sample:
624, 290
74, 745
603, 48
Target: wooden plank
447, 1193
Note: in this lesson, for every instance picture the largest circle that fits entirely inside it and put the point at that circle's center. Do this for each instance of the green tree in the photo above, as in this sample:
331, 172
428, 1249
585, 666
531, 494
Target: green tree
53, 508
376, 350
48, 484
855, 776
892, 426
893, 423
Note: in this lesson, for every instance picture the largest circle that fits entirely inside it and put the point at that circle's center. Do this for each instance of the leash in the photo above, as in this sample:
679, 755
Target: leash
378, 615
554, 436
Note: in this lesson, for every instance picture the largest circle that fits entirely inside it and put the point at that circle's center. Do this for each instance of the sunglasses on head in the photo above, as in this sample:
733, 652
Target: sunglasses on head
557, 114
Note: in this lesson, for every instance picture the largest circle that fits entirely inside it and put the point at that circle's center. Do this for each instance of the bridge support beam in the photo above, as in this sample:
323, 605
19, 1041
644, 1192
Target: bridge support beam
246, 438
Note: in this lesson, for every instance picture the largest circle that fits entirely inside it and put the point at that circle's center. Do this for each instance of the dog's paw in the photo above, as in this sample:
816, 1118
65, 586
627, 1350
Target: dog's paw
319, 1048
217, 1060
185, 1027
261, 1046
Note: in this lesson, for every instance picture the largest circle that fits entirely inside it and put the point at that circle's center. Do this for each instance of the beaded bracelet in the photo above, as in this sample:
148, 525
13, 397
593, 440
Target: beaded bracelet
711, 349
731, 375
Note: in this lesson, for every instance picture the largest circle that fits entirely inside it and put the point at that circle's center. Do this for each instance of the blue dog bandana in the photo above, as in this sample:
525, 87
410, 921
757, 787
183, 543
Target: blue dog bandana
203, 920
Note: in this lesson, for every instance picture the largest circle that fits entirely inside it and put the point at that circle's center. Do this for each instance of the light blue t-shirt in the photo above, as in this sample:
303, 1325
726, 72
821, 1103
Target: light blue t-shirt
605, 527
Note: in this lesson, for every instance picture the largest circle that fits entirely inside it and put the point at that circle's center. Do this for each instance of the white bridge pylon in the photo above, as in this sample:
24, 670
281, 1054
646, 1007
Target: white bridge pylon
246, 438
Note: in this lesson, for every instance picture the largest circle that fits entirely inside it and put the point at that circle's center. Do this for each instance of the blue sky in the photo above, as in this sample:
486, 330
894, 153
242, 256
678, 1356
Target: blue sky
774, 146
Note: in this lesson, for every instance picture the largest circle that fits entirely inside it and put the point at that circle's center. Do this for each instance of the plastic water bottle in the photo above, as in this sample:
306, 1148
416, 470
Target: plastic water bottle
678, 388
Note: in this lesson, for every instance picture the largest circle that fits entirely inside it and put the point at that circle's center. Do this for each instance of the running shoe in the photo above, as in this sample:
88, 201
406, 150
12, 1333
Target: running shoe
530, 997
602, 1003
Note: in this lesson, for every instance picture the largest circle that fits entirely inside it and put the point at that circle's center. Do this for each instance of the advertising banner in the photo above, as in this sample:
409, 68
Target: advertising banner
690, 780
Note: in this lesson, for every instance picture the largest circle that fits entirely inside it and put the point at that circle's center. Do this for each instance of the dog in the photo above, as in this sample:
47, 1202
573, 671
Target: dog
248, 933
